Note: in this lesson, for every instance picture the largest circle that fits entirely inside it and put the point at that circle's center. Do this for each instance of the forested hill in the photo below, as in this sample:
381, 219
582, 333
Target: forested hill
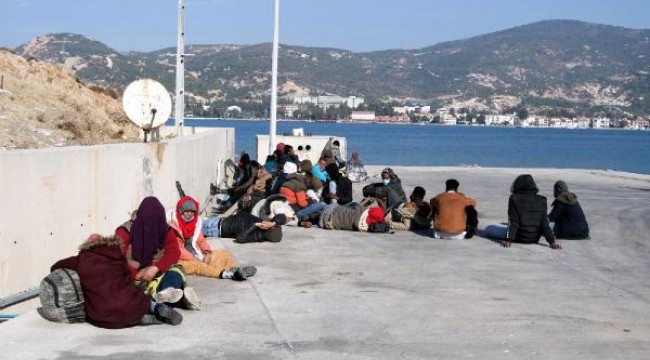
572, 65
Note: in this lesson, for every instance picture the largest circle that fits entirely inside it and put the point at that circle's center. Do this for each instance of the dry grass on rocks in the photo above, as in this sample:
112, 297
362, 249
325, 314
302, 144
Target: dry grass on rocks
42, 105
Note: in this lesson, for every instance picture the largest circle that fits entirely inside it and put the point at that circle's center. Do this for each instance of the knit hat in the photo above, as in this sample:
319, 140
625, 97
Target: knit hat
290, 168
306, 165
280, 147
560, 187
188, 205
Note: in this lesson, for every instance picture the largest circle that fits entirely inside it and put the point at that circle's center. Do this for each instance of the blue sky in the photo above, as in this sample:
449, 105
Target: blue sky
358, 25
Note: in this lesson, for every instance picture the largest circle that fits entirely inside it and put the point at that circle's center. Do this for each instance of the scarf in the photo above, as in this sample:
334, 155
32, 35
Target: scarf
148, 231
188, 228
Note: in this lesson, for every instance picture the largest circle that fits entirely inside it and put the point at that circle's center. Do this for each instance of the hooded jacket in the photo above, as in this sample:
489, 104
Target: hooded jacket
112, 299
395, 184
527, 220
567, 214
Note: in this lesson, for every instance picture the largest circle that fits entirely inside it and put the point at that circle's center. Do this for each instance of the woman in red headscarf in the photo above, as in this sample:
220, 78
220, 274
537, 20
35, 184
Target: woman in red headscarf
196, 256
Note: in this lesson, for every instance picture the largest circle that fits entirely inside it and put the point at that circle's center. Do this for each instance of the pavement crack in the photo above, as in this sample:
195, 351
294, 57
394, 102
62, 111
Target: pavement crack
285, 343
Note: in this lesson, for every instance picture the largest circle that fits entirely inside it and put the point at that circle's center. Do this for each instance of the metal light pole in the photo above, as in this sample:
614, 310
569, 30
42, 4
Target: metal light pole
180, 70
274, 77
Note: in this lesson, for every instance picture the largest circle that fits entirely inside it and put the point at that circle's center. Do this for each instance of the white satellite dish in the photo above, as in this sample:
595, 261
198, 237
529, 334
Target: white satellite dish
147, 104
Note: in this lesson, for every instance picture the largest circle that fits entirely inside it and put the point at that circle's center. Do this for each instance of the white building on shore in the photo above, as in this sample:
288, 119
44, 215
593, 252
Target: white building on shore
600, 123
495, 119
326, 101
362, 116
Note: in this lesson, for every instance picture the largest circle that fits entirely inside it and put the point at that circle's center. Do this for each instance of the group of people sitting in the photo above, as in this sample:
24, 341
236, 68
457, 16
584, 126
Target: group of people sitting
138, 274
322, 194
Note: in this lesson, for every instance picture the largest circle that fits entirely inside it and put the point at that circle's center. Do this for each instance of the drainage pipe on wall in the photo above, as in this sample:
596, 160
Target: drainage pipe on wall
18, 297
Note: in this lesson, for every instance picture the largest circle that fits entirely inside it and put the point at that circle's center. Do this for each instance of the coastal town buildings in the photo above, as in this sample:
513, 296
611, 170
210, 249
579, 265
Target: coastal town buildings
448, 115
326, 101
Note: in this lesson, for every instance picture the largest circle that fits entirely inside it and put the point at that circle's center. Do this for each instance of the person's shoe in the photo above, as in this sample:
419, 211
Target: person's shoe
190, 299
248, 270
214, 190
242, 273
166, 314
149, 319
306, 224
169, 295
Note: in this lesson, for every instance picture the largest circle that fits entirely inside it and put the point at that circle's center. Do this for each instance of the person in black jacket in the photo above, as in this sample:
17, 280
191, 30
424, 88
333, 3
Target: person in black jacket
527, 220
567, 214
389, 192
338, 189
245, 227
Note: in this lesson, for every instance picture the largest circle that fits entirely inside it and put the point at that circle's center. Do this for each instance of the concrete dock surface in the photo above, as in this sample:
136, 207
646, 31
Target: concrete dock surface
323, 294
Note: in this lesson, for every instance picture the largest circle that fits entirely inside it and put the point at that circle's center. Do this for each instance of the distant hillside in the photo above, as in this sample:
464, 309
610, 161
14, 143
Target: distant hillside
41, 106
571, 65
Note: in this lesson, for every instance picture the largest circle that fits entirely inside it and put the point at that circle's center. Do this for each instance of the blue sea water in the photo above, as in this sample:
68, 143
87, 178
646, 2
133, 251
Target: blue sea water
430, 145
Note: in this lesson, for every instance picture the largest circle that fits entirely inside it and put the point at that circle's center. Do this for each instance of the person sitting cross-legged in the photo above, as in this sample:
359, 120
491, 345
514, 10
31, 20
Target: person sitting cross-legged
454, 214
527, 219
567, 215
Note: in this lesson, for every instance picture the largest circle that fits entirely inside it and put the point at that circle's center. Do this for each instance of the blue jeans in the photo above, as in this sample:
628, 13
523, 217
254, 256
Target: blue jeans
496, 232
310, 209
172, 279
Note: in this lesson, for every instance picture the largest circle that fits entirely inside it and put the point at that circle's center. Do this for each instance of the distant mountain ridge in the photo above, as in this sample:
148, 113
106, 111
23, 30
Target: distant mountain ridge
572, 65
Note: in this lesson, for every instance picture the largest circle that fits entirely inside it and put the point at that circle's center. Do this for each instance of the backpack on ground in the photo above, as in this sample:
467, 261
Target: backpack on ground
62, 299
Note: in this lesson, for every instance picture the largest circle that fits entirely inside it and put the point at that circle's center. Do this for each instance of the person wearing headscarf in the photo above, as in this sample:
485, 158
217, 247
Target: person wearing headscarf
151, 249
111, 300
567, 215
527, 220
197, 258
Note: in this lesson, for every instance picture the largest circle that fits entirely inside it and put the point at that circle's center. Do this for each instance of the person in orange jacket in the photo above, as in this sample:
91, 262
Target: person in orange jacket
454, 214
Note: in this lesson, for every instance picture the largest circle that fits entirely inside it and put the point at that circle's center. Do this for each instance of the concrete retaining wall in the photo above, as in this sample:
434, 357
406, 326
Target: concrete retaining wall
52, 199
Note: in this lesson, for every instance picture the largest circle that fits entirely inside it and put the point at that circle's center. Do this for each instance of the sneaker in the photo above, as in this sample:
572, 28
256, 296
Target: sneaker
169, 295
149, 319
168, 315
190, 299
242, 273
248, 270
